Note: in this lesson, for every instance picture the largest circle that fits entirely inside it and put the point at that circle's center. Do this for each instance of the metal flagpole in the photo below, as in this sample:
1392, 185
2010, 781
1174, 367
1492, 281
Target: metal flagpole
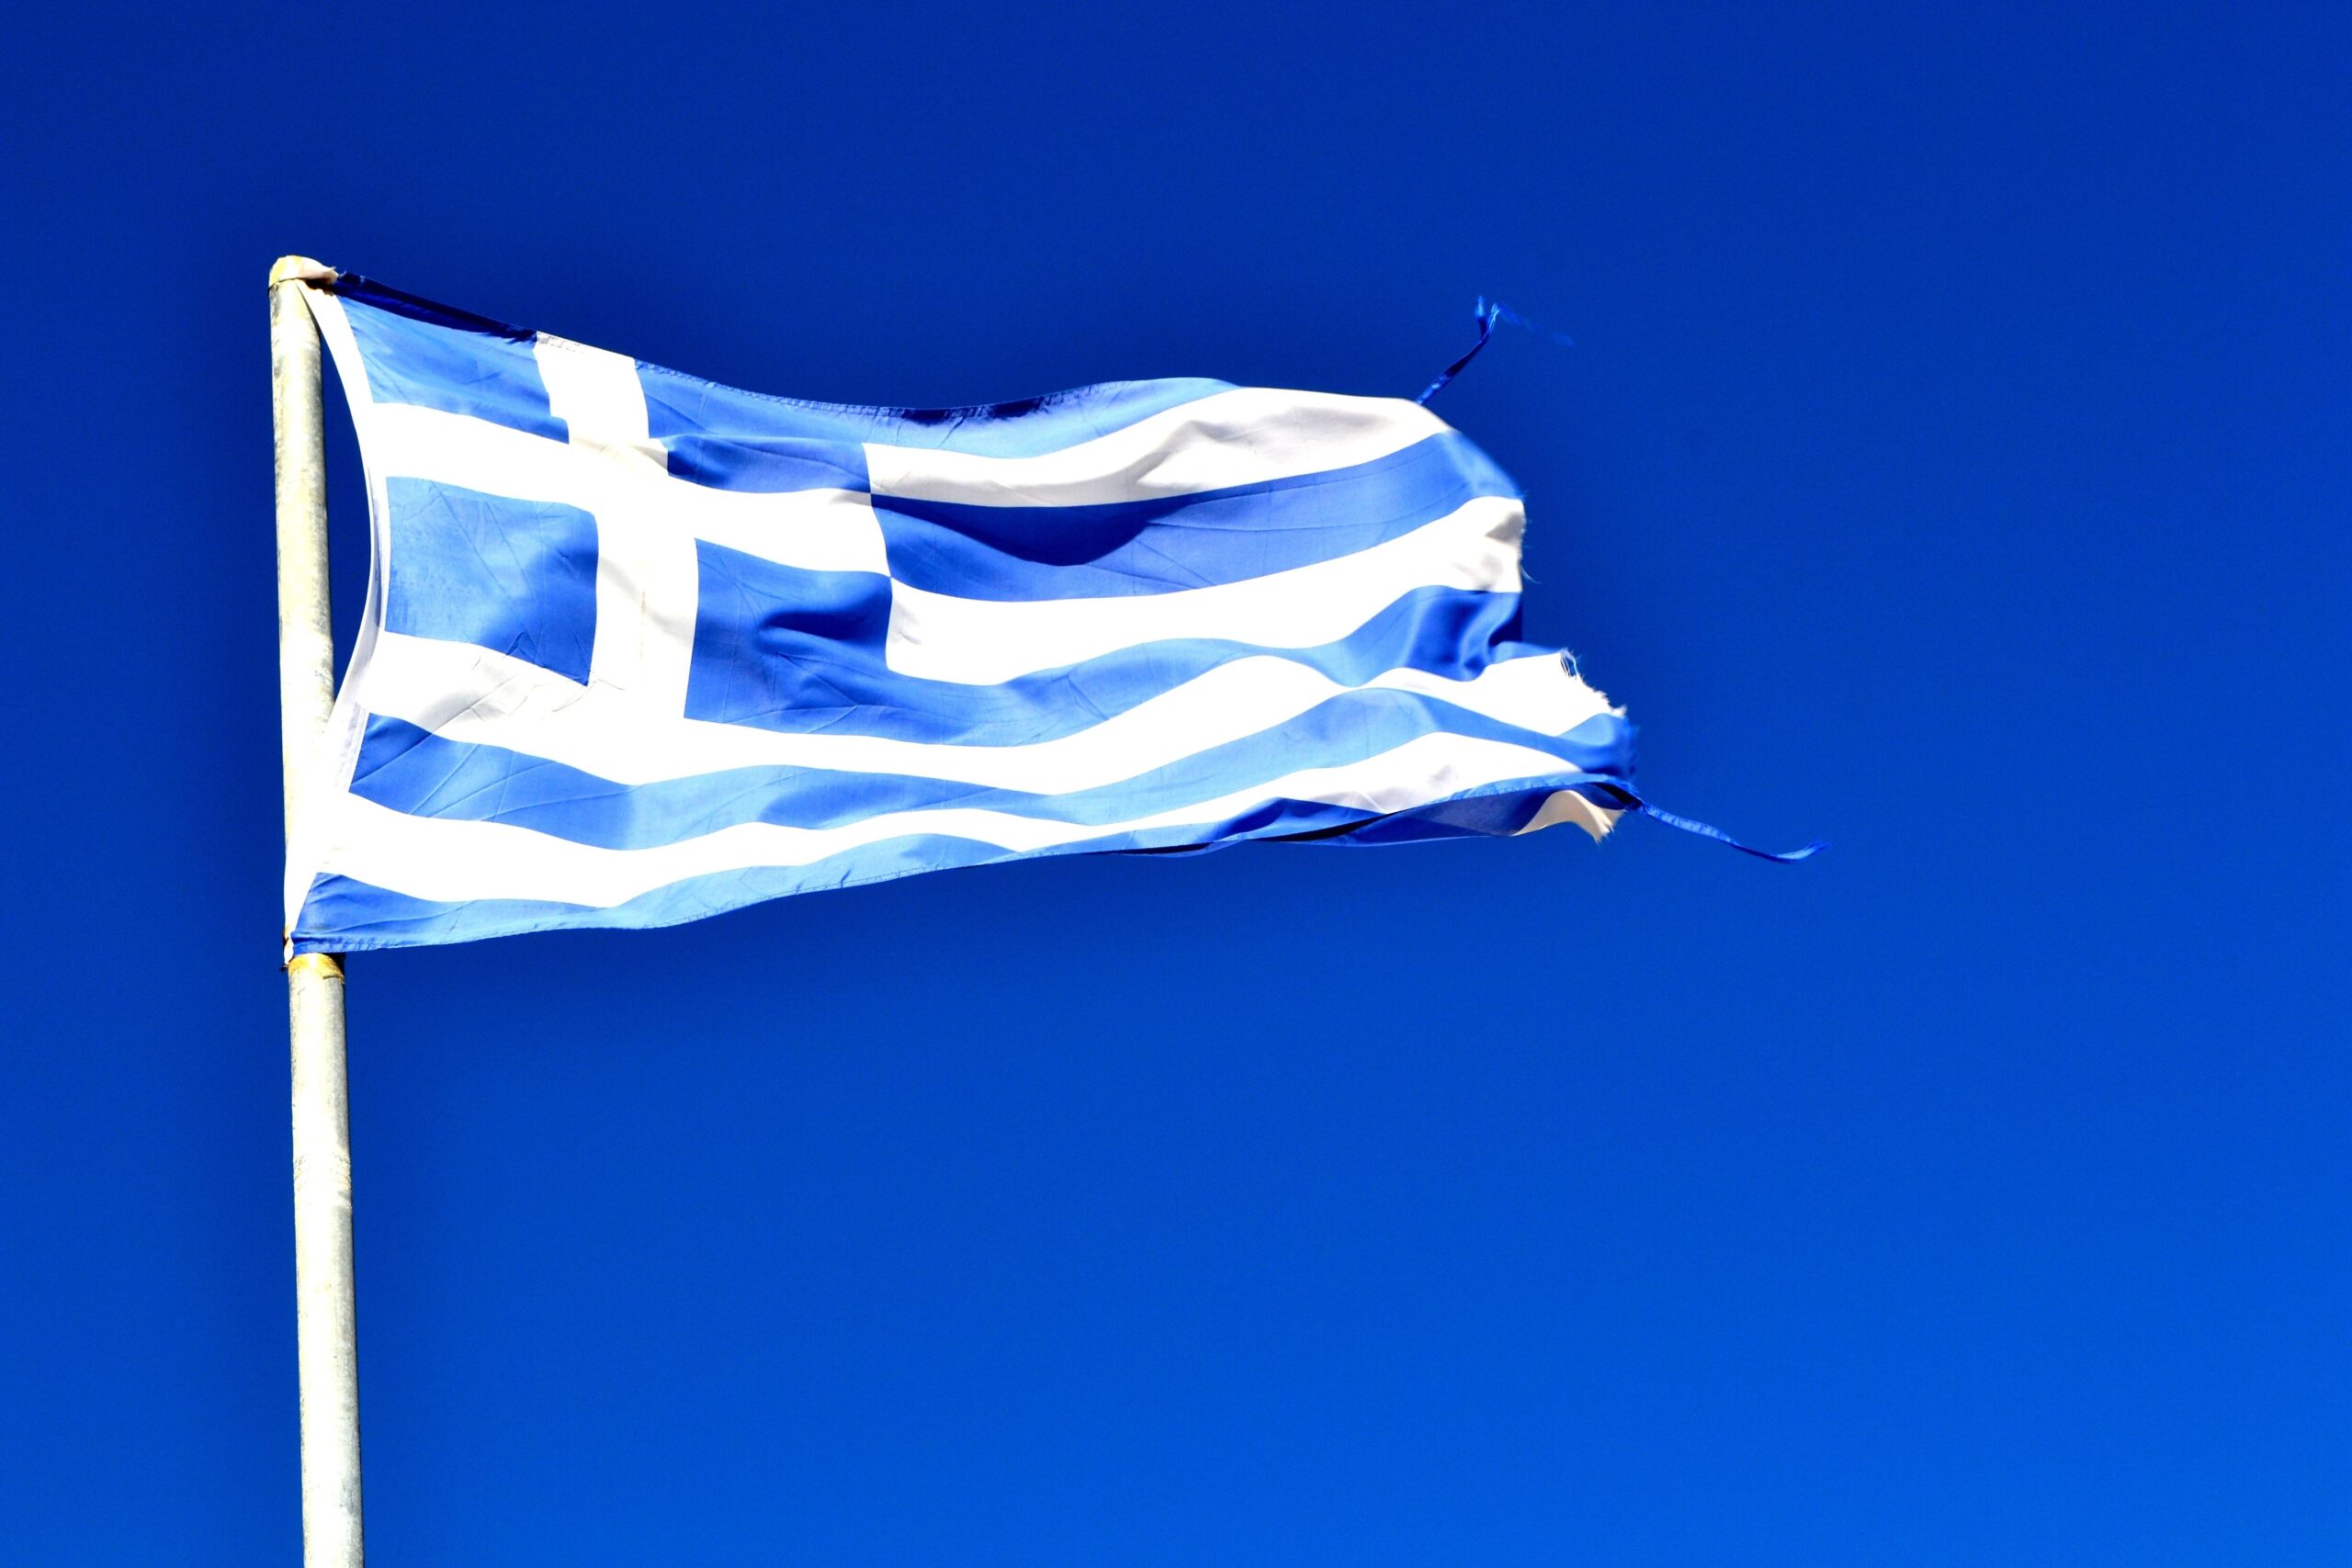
325, 1316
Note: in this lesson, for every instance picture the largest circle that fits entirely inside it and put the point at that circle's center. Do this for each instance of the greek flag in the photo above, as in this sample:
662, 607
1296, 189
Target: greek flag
640, 648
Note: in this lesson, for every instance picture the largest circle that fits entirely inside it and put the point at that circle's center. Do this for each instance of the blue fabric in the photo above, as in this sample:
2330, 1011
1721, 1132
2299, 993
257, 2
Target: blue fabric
517, 577
680, 405
764, 464
437, 359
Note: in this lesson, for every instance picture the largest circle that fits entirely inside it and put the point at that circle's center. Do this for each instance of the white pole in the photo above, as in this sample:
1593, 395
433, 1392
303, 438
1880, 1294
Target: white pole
325, 1316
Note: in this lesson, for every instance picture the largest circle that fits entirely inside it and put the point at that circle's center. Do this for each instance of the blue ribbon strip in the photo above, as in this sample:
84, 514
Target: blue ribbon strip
1617, 798
1490, 311
1487, 316
1782, 857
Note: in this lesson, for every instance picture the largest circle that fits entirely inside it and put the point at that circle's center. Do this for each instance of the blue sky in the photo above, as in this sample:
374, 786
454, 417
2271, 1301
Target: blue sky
1950, 465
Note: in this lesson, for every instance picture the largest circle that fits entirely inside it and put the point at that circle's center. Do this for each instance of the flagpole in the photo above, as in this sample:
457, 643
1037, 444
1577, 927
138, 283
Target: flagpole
325, 1316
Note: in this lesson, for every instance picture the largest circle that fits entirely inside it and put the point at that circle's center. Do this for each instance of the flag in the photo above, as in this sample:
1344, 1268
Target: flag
638, 647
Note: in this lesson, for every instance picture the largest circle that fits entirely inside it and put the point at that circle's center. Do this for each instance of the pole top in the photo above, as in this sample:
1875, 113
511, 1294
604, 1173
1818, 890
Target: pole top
301, 269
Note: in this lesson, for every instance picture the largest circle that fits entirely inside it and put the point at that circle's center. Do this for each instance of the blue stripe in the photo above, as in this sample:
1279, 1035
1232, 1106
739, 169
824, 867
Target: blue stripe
1171, 543
799, 651
736, 426
1032, 426
767, 463
343, 915
413, 771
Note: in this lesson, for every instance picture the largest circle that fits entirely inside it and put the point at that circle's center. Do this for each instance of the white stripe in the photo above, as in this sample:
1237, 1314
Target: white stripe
817, 530
646, 578
445, 860
1244, 437
468, 693
983, 642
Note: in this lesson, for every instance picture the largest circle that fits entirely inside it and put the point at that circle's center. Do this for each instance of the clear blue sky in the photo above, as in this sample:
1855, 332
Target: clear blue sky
1951, 464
